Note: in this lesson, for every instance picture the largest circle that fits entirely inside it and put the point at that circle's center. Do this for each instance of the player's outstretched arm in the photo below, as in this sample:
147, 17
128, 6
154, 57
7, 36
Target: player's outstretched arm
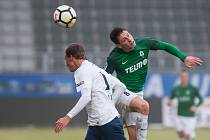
61, 123
191, 61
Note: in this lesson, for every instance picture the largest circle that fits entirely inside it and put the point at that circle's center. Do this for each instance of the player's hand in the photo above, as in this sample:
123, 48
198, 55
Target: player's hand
61, 123
191, 61
193, 108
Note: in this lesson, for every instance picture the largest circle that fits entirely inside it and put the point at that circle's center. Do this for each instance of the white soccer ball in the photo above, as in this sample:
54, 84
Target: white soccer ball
65, 16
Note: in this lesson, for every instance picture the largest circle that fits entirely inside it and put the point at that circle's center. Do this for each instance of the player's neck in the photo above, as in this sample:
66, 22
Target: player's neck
184, 84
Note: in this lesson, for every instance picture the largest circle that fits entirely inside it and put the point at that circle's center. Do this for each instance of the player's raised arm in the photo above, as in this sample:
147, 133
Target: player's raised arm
189, 61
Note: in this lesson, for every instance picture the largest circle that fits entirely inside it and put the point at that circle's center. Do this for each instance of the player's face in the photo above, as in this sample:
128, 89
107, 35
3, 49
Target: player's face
126, 41
71, 63
184, 76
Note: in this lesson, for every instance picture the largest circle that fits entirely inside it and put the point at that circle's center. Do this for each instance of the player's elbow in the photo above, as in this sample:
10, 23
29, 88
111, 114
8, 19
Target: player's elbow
86, 98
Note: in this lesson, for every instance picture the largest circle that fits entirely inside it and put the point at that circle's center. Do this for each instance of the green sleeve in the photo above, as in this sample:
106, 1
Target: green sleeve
109, 66
199, 97
160, 45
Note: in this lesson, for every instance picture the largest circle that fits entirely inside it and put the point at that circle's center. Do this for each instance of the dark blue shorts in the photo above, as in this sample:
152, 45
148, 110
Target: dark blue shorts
110, 131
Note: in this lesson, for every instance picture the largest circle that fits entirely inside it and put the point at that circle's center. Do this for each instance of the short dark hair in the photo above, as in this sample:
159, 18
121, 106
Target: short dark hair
75, 50
115, 34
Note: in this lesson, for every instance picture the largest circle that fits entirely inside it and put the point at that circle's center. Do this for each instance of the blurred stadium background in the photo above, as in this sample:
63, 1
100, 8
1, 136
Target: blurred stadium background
35, 86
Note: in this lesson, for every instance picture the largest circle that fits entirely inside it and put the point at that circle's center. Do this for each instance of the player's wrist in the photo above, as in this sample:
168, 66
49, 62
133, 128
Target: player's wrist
69, 116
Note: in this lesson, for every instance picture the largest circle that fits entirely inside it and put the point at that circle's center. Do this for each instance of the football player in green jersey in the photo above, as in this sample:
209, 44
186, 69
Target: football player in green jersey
186, 96
129, 59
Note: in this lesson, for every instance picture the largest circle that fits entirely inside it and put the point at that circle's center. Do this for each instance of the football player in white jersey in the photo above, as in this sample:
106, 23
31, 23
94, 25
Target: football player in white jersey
96, 87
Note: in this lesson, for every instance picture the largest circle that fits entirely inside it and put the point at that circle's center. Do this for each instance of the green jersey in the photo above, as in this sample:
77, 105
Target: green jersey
131, 67
186, 97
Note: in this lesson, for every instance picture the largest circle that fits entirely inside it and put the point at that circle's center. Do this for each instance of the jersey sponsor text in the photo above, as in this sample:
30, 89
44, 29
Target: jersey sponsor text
136, 66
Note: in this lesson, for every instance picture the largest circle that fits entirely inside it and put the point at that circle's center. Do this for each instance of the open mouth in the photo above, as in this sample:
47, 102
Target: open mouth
132, 43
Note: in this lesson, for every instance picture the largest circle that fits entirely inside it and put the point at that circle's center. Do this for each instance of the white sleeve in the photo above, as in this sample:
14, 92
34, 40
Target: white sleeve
83, 101
118, 89
84, 83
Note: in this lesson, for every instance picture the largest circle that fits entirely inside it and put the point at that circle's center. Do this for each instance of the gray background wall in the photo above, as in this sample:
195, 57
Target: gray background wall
45, 111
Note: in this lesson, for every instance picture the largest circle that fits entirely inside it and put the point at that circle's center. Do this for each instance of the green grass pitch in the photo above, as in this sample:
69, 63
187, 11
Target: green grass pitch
79, 134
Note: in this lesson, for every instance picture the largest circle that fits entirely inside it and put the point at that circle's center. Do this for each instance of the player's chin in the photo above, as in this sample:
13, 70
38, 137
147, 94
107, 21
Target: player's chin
71, 70
130, 48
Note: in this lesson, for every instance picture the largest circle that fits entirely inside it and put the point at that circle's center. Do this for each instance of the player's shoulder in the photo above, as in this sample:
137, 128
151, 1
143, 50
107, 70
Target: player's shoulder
193, 87
115, 52
85, 67
88, 69
146, 42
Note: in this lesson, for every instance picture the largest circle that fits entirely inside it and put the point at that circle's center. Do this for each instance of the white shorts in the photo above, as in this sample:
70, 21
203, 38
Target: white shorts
186, 124
129, 118
126, 98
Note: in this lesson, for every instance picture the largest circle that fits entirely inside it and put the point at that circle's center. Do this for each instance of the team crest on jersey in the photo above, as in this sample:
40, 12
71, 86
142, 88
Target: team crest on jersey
141, 53
80, 83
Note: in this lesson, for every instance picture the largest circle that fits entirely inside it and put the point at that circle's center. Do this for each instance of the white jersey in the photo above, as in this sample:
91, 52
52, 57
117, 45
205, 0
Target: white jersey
96, 87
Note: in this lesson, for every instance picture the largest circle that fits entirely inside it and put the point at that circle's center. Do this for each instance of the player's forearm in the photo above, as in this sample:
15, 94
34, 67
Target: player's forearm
172, 50
83, 101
